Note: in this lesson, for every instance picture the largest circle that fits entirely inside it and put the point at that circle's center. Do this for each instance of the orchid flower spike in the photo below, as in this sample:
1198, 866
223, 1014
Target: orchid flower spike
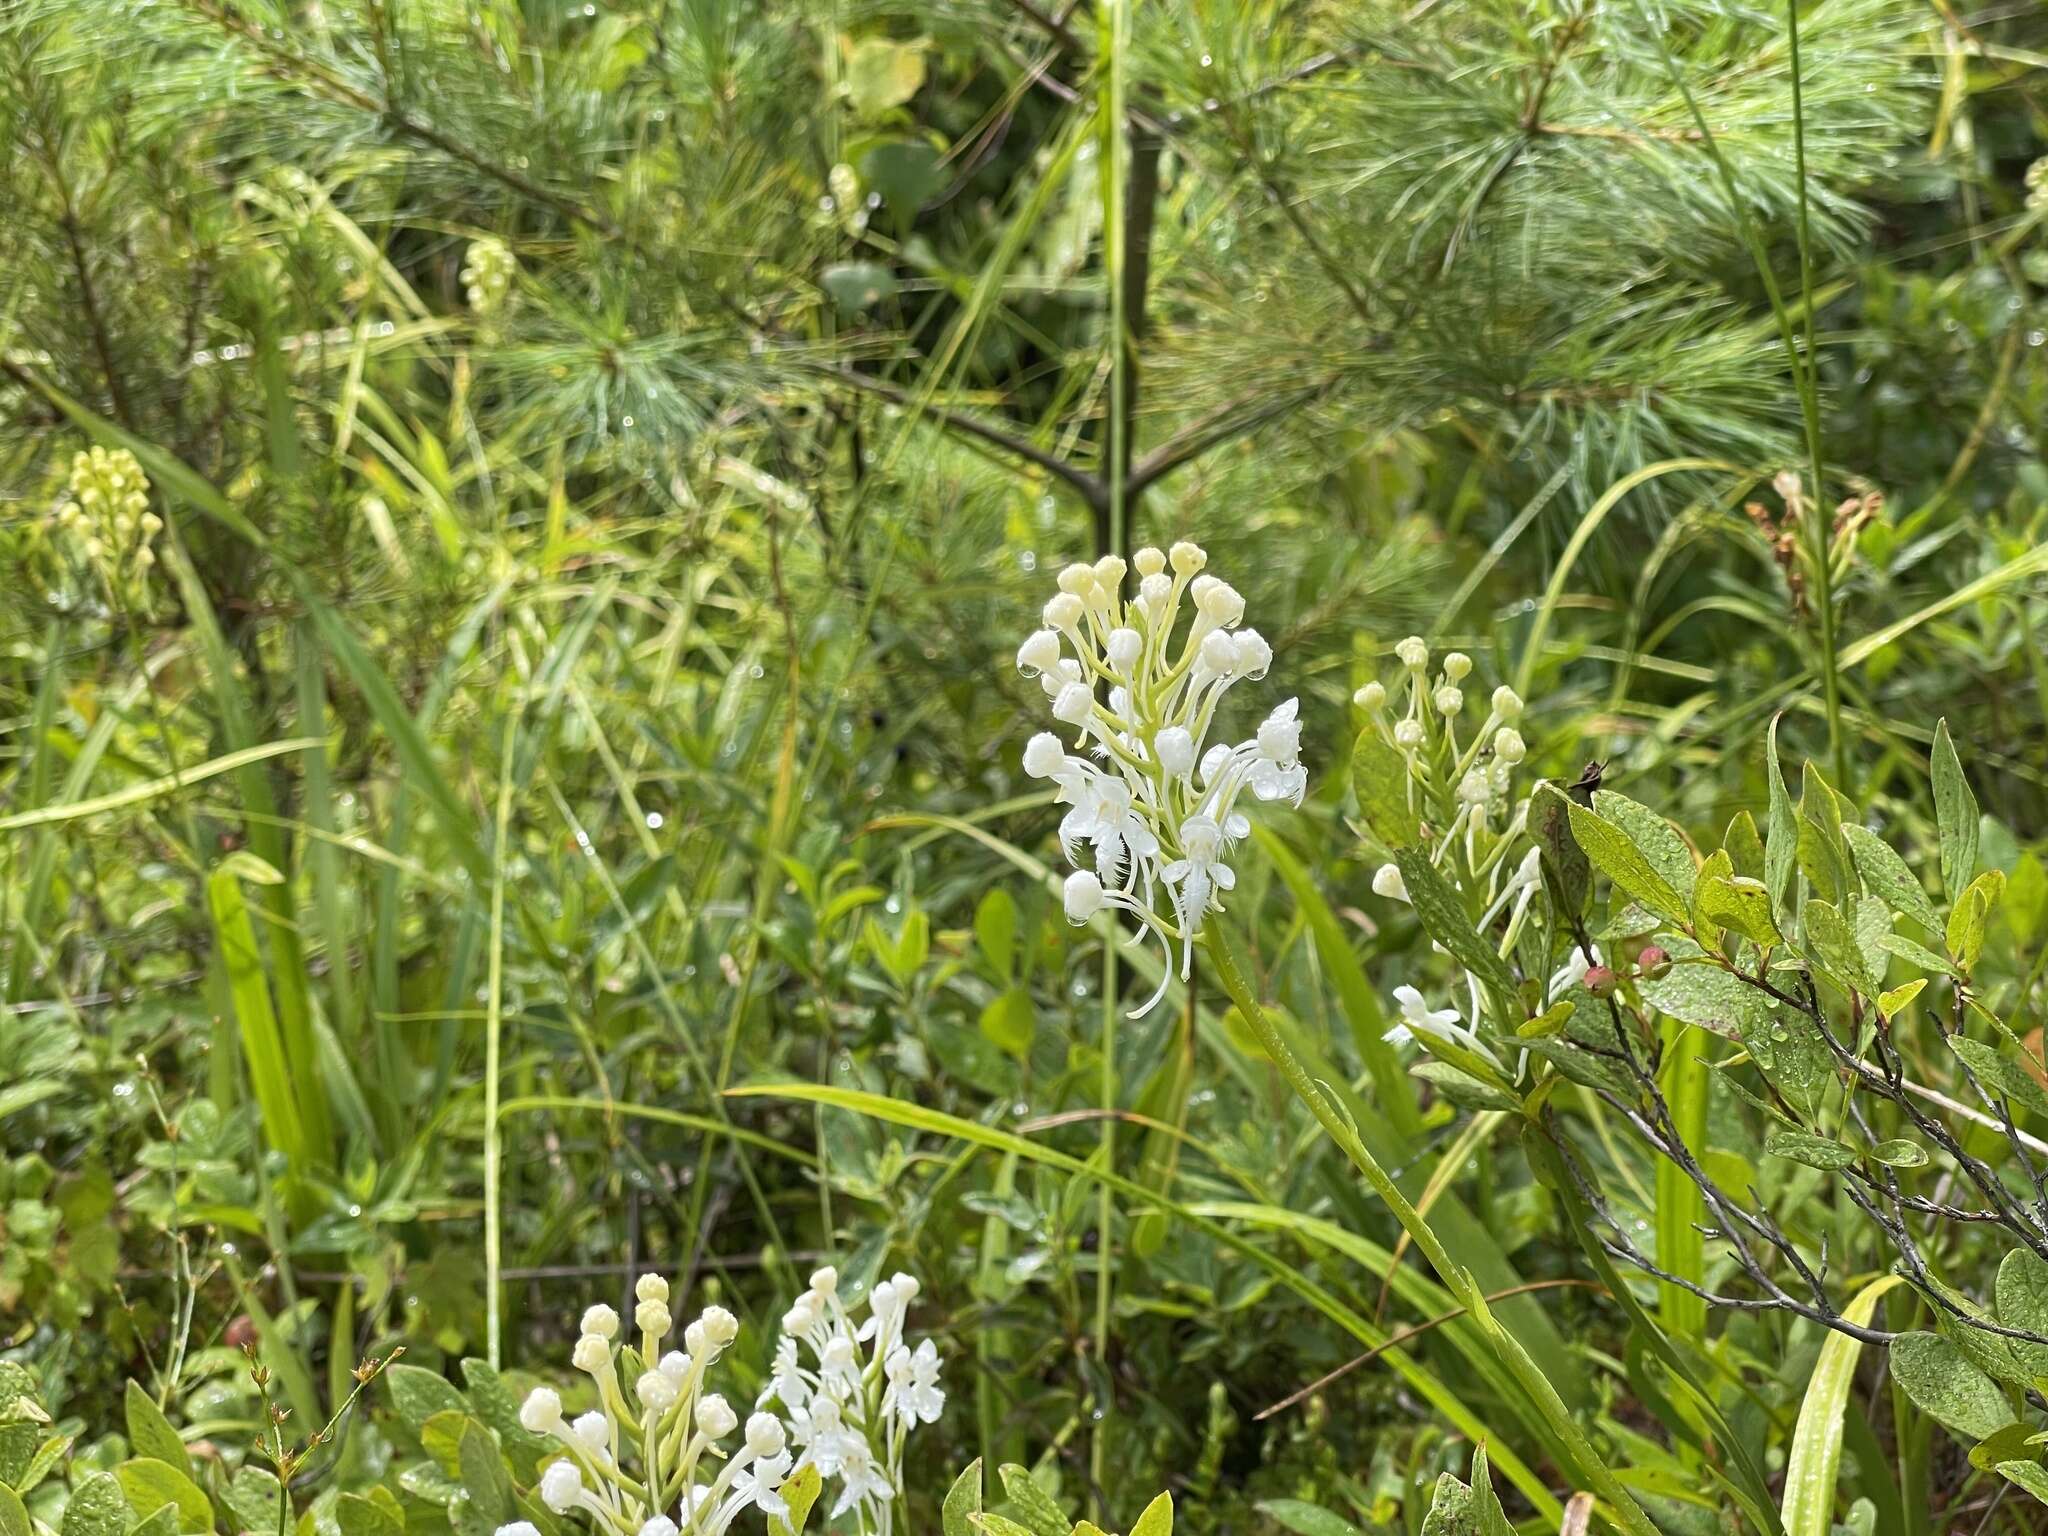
1153, 803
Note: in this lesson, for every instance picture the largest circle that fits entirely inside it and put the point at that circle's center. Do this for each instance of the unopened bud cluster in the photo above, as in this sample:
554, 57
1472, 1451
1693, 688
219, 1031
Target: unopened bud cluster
1425, 729
1152, 800
105, 525
1459, 782
1457, 769
487, 273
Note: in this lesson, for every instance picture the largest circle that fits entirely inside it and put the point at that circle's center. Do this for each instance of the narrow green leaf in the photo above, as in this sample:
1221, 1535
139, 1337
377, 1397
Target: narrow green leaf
154, 789
1379, 778
1444, 919
1032, 1505
1739, 904
1886, 876
1657, 839
963, 1502
1781, 842
1615, 855
1833, 944
800, 1492
1813, 1151
149, 1484
425, 773
150, 1433
263, 1044
1955, 813
1998, 1074
1889, 1003
1157, 1519
1355, 992
1823, 854
1816, 1454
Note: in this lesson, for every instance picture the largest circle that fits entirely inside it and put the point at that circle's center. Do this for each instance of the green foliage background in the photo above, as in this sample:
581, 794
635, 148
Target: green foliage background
548, 714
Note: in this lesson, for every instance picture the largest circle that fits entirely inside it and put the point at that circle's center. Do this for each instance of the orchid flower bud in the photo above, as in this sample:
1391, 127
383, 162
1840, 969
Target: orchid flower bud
720, 1326
1123, 649
1254, 654
650, 1288
1507, 703
715, 1418
825, 1280
1040, 652
541, 1412
1064, 612
1219, 653
1222, 605
1176, 751
660, 1525
1280, 735
1387, 882
765, 1435
1414, 653
1449, 700
1083, 895
561, 1486
602, 1321
1187, 558
593, 1431
1508, 745
656, 1392
1408, 734
1372, 698
593, 1353
1149, 561
652, 1317
1109, 574
1044, 756
1457, 665
1078, 579
1074, 705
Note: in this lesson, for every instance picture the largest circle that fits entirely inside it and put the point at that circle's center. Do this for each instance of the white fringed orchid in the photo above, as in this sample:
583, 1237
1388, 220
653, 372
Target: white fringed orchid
854, 1391
660, 1468
1152, 802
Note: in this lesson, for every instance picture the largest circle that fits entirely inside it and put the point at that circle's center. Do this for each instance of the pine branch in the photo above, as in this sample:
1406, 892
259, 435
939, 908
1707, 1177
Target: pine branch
295, 68
1090, 487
